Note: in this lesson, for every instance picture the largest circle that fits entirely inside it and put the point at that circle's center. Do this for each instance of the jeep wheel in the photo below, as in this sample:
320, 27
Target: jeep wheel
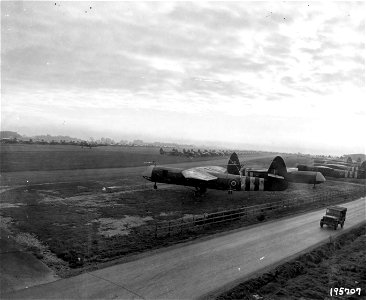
342, 224
335, 226
321, 224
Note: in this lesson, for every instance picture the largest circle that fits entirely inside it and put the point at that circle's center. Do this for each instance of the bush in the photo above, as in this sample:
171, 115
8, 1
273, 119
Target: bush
261, 217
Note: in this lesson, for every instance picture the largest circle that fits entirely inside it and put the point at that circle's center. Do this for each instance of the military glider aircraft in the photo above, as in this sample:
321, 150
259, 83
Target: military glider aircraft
278, 167
335, 170
231, 178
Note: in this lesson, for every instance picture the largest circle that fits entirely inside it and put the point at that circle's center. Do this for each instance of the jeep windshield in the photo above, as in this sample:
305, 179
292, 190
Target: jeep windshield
333, 212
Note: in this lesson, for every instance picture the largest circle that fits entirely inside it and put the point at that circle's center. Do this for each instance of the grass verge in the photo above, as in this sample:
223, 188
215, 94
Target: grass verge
339, 263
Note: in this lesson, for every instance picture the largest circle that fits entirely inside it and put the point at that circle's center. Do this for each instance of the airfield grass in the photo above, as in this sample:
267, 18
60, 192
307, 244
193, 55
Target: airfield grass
14, 158
84, 227
24, 157
339, 263
79, 227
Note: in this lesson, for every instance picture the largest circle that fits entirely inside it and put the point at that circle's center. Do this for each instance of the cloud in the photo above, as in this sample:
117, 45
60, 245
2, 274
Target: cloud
180, 59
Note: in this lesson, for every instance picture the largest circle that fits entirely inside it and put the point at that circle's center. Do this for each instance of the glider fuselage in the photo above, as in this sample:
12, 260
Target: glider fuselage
223, 181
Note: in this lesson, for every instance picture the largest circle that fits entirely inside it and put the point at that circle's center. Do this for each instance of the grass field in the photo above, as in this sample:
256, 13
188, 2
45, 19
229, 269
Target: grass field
23, 157
340, 263
83, 226
75, 226
14, 158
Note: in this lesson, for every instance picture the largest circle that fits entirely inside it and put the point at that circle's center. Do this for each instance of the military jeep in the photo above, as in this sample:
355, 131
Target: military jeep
334, 215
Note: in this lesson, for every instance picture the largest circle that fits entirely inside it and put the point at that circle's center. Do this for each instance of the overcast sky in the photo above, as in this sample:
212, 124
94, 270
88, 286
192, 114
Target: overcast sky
284, 76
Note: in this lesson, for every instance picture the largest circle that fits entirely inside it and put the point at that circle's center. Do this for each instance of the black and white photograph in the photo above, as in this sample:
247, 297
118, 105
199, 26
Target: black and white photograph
183, 150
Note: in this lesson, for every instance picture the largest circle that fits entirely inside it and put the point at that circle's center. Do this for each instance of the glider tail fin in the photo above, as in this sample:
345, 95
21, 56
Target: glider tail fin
233, 166
278, 167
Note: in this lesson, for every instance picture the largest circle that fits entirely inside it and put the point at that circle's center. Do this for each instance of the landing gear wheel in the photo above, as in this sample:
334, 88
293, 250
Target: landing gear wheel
155, 186
321, 224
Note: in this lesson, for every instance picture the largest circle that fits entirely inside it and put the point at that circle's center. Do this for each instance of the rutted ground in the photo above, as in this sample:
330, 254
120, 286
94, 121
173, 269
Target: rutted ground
339, 263
109, 227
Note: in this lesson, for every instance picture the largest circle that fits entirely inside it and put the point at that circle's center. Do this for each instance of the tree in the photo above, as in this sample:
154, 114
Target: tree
161, 151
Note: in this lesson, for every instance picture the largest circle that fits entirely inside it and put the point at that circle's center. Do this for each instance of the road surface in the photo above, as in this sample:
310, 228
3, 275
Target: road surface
195, 269
19, 268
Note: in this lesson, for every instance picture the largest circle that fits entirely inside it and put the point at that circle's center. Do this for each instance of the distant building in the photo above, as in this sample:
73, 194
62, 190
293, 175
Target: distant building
9, 141
138, 142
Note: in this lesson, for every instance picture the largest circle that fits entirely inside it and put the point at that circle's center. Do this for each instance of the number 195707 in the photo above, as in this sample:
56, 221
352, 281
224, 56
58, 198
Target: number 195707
344, 291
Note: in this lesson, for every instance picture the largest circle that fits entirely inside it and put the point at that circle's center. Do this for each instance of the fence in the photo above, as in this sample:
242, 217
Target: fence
196, 222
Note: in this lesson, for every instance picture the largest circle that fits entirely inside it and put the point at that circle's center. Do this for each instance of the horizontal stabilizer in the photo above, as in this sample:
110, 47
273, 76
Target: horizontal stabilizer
275, 176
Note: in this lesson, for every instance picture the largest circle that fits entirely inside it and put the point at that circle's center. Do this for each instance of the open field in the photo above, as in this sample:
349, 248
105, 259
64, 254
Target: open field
339, 263
82, 226
19, 157
15, 158
74, 225
133, 174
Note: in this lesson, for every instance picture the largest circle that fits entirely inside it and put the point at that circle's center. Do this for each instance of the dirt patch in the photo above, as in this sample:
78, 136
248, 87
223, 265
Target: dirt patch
9, 205
5, 188
109, 227
5, 222
29, 241
339, 263
85, 200
166, 214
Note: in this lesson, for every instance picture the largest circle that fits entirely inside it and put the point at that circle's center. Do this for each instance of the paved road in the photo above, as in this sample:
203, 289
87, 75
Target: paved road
198, 268
20, 269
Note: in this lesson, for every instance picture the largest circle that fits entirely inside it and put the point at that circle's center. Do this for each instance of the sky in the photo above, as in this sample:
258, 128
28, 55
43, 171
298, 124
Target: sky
277, 76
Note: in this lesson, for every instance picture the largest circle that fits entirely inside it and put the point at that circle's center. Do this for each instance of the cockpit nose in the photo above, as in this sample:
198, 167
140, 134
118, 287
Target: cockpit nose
148, 172
319, 178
